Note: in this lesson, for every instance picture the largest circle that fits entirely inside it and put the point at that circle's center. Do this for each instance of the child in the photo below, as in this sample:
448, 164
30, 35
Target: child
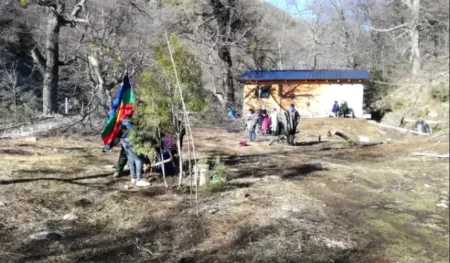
252, 119
265, 123
134, 161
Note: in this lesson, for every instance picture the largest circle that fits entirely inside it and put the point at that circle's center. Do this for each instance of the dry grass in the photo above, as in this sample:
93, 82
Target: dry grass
313, 203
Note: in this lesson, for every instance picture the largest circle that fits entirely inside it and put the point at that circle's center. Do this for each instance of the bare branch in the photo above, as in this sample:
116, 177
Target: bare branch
78, 7
47, 3
38, 58
390, 29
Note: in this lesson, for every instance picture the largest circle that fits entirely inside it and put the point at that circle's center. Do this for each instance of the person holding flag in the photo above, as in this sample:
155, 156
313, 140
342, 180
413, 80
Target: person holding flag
116, 127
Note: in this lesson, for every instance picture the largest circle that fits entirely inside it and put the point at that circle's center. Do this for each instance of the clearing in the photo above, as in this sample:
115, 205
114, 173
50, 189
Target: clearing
317, 202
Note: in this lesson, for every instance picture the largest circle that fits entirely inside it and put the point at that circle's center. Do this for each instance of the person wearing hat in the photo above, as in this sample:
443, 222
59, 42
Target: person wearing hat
292, 119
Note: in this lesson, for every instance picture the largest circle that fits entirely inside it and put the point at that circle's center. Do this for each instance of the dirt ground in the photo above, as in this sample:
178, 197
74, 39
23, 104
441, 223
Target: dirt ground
320, 201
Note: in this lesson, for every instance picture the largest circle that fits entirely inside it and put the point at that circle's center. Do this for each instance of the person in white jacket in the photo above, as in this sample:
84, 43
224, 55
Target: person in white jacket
274, 120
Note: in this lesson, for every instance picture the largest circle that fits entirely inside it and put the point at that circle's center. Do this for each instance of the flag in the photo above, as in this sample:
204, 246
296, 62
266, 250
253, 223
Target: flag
121, 108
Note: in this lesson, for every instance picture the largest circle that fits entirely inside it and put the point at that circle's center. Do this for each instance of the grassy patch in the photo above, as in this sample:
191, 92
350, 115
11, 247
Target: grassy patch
440, 93
213, 187
382, 227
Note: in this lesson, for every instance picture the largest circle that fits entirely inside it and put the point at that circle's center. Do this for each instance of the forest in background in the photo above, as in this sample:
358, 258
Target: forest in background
58, 52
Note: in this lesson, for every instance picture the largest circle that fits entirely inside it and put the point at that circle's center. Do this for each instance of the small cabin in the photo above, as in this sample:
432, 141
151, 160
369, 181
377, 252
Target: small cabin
313, 92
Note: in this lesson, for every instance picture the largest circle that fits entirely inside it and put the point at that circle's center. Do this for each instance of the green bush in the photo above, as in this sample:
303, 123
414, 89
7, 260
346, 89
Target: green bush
440, 93
214, 187
436, 128
218, 175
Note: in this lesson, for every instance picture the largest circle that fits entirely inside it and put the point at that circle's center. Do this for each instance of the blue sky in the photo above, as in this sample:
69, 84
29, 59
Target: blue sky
290, 5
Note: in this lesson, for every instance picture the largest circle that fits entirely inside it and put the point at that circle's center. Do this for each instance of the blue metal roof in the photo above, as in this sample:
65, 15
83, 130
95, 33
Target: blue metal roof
320, 74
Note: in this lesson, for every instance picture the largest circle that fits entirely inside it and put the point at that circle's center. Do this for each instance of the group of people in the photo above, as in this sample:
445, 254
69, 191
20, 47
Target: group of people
341, 111
276, 124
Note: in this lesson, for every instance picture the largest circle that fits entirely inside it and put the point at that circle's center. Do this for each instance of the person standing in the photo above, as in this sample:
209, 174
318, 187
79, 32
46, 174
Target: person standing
265, 123
135, 162
335, 109
292, 119
120, 165
274, 122
343, 109
252, 119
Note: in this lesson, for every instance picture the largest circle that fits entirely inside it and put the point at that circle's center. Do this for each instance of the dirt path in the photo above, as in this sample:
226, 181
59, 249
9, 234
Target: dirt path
318, 202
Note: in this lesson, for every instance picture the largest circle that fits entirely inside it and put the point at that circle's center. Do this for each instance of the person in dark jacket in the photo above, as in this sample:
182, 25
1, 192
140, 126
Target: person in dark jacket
335, 109
292, 119
121, 162
343, 110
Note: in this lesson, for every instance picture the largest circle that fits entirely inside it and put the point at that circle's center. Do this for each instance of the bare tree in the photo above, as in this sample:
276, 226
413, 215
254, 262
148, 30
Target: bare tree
57, 17
9, 75
412, 28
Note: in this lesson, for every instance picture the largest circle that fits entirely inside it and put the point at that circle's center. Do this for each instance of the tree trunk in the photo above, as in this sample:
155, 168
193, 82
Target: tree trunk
103, 100
415, 37
226, 25
225, 56
50, 89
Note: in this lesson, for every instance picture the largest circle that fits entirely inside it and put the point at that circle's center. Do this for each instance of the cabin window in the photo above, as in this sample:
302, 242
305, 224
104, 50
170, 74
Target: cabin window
262, 92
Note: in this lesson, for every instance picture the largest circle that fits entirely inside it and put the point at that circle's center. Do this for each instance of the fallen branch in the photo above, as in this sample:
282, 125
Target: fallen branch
13, 126
397, 128
343, 136
432, 155
350, 141
428, 122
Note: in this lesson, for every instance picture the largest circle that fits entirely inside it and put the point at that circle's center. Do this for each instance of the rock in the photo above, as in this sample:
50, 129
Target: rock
2, 204
432, 114
442, 205
427, 186
31, 139
364, 139
324, 205
47, 235
70, 217
374, 207
247, 195
126, 187
271, 178
213, 211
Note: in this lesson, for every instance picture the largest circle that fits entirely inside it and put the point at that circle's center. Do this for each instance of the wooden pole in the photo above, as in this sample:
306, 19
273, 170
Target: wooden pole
186, 119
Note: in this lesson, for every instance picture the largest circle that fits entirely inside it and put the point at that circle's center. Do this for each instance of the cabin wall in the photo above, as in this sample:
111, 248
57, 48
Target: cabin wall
311, 100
